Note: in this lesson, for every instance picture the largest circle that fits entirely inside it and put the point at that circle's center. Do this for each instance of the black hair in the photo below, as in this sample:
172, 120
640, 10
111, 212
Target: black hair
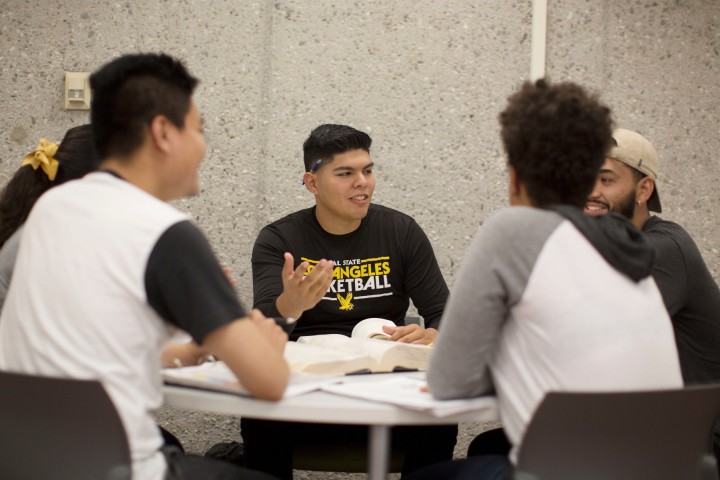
75, 155
129, 92
328, 140
556, 138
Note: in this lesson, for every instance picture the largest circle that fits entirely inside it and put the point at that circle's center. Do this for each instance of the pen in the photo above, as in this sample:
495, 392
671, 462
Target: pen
314, 168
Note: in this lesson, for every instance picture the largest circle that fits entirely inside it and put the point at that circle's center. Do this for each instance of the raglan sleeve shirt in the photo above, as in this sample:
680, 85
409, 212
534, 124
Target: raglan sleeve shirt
492, 278
186, 284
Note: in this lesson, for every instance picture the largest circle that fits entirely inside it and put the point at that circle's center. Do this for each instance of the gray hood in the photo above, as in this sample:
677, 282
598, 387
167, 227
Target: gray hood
618, 241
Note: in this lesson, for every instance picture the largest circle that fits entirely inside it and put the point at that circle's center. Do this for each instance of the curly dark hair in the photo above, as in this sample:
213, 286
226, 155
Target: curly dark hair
556, 137
327, 140
129, 92
75, 155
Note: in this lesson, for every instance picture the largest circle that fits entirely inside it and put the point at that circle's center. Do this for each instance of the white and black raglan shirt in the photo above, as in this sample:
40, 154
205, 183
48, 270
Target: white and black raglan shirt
553, 300
105, 274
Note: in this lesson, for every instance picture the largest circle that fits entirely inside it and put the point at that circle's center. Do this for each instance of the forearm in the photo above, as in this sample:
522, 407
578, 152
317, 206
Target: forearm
258, 365
181, 354
287, 308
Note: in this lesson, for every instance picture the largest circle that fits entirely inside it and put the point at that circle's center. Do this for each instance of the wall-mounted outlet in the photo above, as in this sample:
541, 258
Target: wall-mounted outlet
77, 91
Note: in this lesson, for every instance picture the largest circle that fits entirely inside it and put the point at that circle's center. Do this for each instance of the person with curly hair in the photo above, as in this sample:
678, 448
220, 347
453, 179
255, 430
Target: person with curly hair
47, 166
547, 298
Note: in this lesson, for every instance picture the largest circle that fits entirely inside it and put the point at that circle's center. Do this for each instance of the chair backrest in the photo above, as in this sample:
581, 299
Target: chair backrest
53, 428
625, 435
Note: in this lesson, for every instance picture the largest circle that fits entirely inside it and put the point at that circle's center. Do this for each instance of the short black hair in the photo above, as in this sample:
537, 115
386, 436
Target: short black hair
129, 92
328, 140
556, 138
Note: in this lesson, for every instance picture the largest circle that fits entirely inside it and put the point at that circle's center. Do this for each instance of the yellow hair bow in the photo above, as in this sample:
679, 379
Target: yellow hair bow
43, 156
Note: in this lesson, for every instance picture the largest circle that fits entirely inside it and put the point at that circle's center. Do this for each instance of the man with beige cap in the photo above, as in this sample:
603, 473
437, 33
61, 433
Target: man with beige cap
627, 184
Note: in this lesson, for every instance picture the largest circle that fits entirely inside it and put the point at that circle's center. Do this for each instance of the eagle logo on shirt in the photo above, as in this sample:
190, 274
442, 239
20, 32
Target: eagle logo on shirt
345, 301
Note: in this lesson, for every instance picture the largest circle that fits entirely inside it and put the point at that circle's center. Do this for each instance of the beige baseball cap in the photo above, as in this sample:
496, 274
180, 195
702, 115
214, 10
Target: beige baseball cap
634, 150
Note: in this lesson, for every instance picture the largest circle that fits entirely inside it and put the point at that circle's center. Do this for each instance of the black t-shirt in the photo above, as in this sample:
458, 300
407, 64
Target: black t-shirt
186, 285
379, 267
691, 296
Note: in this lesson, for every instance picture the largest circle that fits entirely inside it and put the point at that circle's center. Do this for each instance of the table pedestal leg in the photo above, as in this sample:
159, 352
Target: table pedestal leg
379, 452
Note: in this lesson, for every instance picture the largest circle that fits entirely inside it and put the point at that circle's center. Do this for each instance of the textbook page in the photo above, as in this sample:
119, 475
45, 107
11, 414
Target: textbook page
385, 355
217, 376
408, 392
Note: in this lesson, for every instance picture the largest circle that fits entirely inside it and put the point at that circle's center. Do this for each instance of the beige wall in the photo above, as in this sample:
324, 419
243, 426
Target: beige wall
426, 79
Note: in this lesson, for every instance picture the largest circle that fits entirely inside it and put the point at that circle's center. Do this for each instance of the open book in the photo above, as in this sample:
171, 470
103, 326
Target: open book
335, 354
217, 376
372, 328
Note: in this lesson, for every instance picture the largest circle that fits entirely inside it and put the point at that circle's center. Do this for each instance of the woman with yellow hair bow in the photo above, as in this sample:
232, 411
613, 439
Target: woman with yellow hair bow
45, 167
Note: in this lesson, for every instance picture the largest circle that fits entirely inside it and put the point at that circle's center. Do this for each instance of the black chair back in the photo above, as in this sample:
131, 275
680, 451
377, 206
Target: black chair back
53, 428
624, 435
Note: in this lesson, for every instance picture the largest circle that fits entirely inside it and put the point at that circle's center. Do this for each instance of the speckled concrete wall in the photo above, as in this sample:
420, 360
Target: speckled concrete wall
426, 79
657, 64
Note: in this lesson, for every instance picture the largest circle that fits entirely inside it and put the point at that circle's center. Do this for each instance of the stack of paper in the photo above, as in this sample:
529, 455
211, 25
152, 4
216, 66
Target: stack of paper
217, 376
408, 392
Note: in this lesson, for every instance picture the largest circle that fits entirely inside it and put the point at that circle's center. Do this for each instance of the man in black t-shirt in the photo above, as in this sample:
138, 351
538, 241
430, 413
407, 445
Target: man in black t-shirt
626, 184
376, 269
335, 264
345, 259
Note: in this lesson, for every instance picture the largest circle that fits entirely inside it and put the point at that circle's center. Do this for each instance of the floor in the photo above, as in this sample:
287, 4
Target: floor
199, 431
